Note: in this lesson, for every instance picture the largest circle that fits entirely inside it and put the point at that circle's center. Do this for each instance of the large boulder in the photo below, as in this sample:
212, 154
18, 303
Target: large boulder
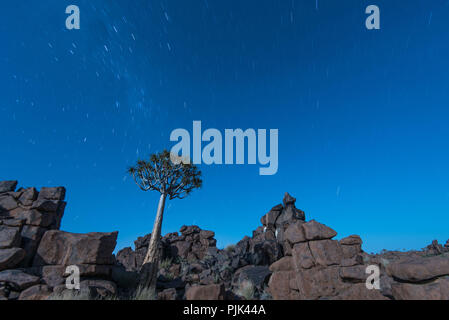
55, 193
18, 279
28, 196
436, 290
34, 217
314, 230
326, 252
257, 275
319, 283
31, 237
302, 256
7, 203
283, 264
359, 291
9, 237
280, 285
64, 248
10, 258
419, 269
127, 258
295, 233
37, 292
8, 186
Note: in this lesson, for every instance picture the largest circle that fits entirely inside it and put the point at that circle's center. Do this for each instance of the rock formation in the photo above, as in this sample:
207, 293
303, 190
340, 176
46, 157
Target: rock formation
34, 253
286, 258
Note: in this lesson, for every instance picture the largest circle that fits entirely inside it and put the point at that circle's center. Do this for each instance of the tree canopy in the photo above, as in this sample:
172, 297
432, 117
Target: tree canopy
168, 174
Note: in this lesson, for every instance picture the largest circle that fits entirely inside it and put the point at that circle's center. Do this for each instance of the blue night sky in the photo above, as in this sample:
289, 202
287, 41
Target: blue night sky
362, 115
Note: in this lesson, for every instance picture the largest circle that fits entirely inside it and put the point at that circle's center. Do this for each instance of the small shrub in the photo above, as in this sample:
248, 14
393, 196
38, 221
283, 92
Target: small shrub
166, 264
384, 262
144, 293
230, 248
246, 290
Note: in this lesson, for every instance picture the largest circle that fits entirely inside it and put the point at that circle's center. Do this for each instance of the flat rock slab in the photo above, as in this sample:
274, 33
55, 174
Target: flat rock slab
437, 290
10, 258
420, 269
19, 278
9, 237
208, 292
37, 292
64, 248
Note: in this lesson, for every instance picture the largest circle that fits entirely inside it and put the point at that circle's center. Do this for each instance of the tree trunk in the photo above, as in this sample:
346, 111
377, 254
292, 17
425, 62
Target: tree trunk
151, 262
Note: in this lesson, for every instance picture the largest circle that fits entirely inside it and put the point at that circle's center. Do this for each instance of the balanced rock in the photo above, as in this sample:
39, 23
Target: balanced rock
314, 230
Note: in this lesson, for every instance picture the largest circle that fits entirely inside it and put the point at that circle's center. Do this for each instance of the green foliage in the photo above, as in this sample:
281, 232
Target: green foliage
166, 264
246, 290
168, 174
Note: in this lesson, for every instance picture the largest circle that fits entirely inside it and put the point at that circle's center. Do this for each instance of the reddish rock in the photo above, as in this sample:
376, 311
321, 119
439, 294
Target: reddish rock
183, 248
283, 264
295, 233
168, 294
314, 230
351, 240
38, 292
318, 283
436, 290
359, 291
302, 256
127, 258
206, 234
103, 288
279, 285
354, 274
208, 292
270, 218
351, 251
326, 252
64, 248
419, 269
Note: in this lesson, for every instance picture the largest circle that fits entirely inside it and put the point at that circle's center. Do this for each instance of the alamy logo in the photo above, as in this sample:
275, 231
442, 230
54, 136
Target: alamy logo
373, 20
373, 280
73, 20
212, 153
73, 280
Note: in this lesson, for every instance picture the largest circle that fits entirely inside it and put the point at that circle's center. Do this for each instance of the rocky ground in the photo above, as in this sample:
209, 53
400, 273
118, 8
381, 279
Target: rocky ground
287, 257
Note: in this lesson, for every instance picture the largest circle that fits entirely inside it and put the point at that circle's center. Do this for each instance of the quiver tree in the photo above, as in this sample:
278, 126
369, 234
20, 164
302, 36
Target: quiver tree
172, 177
